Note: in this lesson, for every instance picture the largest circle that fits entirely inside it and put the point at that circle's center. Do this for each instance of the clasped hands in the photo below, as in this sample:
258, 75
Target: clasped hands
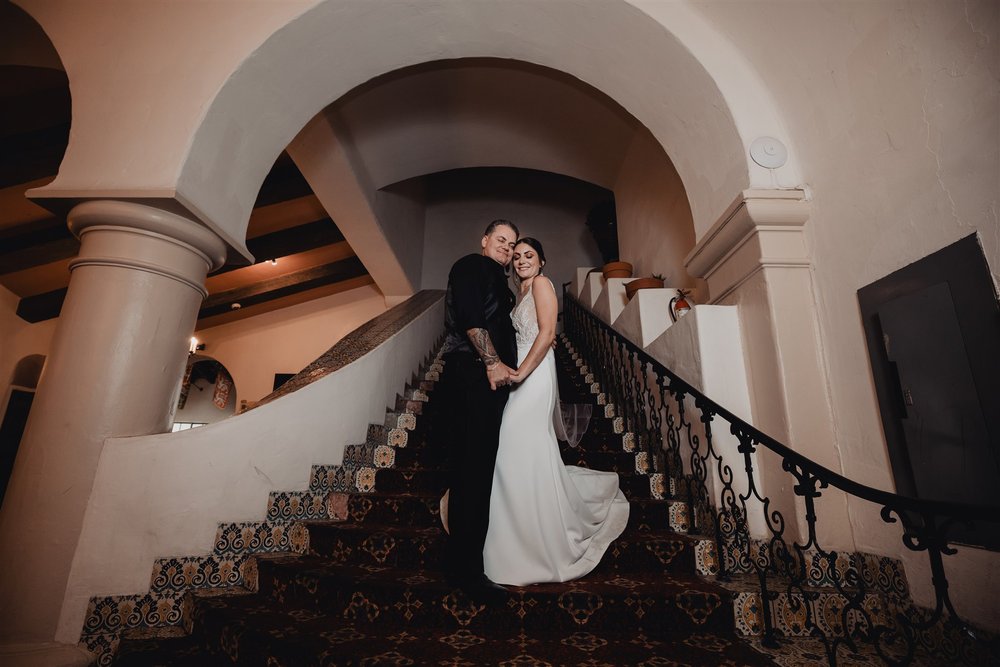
500, 375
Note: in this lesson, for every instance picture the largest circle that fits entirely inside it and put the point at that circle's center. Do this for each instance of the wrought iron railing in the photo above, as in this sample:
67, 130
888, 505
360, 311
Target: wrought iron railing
677, 425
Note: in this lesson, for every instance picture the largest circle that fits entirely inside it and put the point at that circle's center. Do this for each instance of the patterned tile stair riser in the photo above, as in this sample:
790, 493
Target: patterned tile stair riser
369, 590
167, 608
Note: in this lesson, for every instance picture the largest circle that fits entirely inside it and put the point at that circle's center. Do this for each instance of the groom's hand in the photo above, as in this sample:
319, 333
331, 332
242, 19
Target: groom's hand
498, 374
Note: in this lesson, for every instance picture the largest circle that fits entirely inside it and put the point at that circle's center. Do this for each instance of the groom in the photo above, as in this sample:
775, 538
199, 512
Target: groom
479, 352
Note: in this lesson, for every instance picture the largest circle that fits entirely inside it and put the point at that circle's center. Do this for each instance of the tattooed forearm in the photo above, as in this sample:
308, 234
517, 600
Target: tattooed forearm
480, 339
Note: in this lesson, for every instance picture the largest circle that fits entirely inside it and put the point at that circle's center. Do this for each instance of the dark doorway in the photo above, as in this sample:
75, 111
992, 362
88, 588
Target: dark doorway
280, 379
933, 334
11, 431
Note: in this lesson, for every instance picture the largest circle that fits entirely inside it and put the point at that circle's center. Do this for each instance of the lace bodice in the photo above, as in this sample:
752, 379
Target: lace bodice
525, 319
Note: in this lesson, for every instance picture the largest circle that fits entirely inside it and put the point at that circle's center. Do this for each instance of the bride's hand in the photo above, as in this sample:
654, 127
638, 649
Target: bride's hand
516, 377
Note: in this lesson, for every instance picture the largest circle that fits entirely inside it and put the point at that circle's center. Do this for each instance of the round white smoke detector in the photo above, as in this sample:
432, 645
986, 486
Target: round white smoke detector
768, 152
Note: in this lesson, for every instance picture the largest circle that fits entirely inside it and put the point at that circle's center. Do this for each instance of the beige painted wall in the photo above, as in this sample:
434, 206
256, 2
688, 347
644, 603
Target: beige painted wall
254, 349
894, 107
286, 340
481, 113
239, 88
553, 210
655, 230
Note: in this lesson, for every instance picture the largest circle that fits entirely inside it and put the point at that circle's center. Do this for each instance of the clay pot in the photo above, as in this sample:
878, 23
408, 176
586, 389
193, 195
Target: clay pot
634, 286
617, 270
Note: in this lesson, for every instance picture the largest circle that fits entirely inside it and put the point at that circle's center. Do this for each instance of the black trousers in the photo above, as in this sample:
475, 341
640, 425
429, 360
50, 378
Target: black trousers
472, 433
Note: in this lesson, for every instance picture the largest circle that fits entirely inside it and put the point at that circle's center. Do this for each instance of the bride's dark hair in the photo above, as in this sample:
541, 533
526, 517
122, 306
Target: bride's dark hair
537, 246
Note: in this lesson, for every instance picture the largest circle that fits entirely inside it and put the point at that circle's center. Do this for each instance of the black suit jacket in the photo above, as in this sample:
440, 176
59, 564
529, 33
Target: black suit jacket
479, 298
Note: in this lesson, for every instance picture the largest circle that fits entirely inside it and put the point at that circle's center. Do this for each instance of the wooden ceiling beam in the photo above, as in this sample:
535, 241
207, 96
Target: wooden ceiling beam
27, 246
34, 244
290, 241
41, 307
45, 306
281, 286
282, 183
32, 155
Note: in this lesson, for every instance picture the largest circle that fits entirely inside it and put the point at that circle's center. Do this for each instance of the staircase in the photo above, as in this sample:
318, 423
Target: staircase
365, 584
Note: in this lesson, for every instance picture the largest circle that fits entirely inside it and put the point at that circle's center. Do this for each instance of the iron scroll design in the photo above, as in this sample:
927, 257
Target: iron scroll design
845, 599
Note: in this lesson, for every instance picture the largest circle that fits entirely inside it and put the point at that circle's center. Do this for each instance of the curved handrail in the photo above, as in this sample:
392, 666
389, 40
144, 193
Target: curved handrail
655, 411
877, 496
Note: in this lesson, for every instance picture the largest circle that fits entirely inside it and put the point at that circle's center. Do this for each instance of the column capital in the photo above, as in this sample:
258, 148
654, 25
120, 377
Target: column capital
145, 238
760, 229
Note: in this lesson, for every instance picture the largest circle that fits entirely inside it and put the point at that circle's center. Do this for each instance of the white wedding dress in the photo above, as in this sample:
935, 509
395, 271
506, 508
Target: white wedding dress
548, 521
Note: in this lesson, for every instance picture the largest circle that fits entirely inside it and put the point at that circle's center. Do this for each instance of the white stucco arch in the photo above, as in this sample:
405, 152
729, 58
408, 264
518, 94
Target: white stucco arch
202, 124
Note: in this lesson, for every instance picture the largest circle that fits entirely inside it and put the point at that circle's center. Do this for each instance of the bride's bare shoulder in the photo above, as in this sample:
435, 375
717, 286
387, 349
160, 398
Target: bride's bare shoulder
542, 283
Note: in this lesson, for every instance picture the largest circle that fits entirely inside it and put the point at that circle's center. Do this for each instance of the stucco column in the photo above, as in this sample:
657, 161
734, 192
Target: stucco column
757, 257
114, 370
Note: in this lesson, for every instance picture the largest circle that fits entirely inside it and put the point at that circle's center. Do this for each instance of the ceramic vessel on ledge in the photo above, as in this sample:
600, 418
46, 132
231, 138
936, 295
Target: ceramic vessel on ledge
617, 270
634, 286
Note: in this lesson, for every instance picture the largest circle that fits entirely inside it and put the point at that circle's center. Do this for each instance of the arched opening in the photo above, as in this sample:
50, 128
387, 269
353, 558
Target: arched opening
208, 394
708, 153
428, 154
15, 416
35, 116
688, 84
28, 371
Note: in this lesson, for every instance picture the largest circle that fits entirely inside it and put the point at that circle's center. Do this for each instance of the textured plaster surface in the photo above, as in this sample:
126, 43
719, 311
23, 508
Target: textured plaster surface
481, 113
646, 315
236, 96
705, 349
894, 107
611, 301
655, 228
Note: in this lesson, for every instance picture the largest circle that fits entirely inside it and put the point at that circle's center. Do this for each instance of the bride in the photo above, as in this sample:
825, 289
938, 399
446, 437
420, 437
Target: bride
548, 521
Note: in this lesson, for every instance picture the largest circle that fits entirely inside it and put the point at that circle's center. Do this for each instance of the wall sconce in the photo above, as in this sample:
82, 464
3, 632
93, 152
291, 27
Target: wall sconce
195, 346
274, 262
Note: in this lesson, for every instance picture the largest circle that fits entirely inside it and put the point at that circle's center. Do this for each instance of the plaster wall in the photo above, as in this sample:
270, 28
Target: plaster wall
401, 211
162, 495
226, 93
286, 340
324, 153
655, 228
482, 113
894, 107
704, 348
550, 209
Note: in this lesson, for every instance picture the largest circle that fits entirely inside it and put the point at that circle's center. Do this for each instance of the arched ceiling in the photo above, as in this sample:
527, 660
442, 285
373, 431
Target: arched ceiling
220, 90
484, 113
421, 121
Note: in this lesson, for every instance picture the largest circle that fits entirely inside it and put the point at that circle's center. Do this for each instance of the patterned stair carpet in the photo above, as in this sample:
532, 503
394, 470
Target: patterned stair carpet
370, 590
